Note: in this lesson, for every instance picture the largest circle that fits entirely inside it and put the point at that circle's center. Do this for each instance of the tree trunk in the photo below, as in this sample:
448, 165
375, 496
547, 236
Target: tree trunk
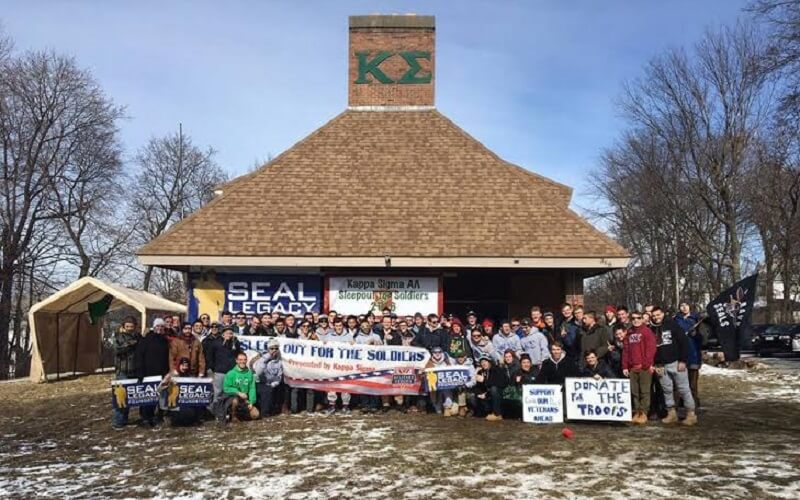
6, 284
148, 275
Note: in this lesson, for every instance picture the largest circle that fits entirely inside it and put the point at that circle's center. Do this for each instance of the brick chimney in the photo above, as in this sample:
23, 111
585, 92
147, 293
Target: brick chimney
391, 60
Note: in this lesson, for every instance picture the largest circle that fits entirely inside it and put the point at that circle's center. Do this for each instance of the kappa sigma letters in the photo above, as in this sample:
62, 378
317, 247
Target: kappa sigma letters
353, 368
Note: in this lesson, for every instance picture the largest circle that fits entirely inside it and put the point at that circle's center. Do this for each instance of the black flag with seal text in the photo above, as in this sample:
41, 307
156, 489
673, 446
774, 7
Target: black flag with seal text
731, 311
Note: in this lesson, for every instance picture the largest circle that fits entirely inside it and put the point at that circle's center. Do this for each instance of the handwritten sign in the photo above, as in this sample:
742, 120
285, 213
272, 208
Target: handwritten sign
607, 399
542, 404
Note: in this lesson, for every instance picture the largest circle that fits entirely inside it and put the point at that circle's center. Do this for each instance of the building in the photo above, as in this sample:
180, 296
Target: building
400, 208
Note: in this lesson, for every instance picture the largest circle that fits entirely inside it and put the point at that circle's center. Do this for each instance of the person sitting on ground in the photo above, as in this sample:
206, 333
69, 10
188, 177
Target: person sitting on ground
490, 382
557, 367
178, 416
268, 371
239, 388
595, 368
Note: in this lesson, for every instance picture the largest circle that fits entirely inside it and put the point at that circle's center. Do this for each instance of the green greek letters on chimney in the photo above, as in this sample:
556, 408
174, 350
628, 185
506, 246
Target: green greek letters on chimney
410, 76
365, 66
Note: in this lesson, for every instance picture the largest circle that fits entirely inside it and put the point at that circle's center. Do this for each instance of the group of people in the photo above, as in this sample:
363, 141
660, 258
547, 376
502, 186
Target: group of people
660, 355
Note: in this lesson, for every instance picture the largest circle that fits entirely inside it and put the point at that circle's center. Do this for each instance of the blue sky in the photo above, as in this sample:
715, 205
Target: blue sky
535, 81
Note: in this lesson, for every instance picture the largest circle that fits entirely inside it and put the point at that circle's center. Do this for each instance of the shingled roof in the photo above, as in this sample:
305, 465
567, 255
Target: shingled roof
404, 183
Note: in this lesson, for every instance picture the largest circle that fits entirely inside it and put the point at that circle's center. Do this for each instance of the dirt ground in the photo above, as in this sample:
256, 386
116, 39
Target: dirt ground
56, 441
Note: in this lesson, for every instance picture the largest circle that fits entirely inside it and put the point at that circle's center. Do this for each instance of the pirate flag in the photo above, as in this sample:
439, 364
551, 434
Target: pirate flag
729, 312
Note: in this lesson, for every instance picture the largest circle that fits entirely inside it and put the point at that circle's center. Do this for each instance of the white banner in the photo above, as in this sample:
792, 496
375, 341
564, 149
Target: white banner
542, 404
606, 399
404, 296
353, 368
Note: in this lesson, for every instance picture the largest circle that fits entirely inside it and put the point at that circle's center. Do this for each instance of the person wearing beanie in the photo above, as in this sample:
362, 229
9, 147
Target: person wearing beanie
488, 328
151, 359
610, 314
268, 371
490, 382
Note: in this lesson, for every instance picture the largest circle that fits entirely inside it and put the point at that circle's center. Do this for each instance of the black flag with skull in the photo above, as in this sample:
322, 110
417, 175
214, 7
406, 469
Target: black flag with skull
730, 312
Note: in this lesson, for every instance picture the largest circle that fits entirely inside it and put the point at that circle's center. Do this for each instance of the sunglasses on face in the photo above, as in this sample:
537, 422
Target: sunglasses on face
273, 348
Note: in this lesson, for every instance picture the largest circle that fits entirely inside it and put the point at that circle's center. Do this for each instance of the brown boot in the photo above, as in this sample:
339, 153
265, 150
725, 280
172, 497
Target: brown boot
691, 418
640, 418
462, 411
671, 418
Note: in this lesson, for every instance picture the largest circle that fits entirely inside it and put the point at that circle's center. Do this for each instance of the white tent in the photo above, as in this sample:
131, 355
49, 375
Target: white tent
64, 341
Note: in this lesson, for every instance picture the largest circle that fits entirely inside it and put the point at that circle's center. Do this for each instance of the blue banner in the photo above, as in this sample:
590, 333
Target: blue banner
446, 378
211, 293
128, 393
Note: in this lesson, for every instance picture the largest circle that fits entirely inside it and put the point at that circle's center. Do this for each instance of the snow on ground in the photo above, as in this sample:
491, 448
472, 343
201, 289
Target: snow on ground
746, 446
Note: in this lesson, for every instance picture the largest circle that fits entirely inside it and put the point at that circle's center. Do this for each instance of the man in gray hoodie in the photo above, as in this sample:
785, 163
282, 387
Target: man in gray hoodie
535, 345
268, 371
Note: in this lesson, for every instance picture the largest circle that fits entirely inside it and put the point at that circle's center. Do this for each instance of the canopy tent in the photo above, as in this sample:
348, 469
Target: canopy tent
65, 341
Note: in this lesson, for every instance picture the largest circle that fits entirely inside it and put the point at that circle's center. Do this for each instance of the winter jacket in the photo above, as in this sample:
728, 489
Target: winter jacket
268, 370
695, 358
639, 349
597, 338
432, 338
601, 368
125, 353
495, 376
526, 377
502, 343
671, 343
511, 370
535, 345
345, 337
208, 342
554, 371
392, 337
614, 358
238, 380
223, 355
188, 347
152, 355
571, 341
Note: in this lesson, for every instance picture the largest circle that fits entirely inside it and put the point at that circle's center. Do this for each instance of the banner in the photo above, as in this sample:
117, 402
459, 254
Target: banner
353, 368
127, 393
542, 404
606, 399
728, 312
404, 296
189, 391
252, 344
211, 293
445, 378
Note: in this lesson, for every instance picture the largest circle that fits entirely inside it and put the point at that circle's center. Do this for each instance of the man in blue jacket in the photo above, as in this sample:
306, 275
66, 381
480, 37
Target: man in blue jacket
687, 321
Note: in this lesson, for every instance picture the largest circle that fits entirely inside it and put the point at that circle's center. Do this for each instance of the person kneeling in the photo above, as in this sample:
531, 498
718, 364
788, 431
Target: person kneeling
240, 388
491, 380
178, 415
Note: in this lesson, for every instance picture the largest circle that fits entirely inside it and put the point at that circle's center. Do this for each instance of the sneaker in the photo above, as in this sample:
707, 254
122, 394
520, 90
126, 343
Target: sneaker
118, 427
346, 410
331, 410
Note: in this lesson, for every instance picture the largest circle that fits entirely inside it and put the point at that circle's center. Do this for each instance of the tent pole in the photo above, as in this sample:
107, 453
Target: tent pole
77, 342
58, 346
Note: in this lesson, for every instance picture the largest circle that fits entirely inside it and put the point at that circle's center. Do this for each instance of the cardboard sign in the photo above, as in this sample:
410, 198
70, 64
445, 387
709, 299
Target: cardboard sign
606, 399
542, 404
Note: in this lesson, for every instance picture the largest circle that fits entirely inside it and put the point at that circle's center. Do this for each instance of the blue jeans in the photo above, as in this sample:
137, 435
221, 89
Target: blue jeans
119, 417
492, 403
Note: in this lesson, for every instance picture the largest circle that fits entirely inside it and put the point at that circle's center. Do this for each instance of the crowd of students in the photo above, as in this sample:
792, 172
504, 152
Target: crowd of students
660, 355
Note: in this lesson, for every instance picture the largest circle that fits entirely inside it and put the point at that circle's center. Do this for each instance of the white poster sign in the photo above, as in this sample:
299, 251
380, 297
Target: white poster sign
542, 404
605, 399
403, 295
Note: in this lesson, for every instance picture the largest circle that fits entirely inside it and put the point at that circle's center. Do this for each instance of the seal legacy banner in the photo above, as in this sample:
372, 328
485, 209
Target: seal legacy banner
446, 378
353, 368
402, 295
127, 393
189, 391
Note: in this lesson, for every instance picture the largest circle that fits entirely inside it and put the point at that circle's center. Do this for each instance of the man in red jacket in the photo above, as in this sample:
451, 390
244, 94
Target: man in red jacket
638, 354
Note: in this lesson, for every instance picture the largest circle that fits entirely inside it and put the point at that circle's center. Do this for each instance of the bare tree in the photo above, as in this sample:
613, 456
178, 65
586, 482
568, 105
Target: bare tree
782, 18
49, 108
175, 179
